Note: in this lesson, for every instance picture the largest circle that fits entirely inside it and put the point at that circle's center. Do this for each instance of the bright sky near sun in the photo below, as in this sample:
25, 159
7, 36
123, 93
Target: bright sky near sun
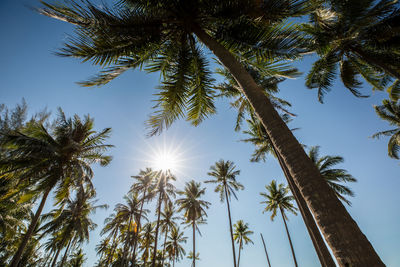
342, 126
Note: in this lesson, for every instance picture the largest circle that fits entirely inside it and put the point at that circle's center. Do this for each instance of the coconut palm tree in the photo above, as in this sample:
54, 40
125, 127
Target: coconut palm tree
278, 198
77, 259
146, 241
193, 207
167, 223
59, 158
143, 185
334, 177
390, 111
225, 178
165, 191
240, 235
360, 38
173, 247
167, 36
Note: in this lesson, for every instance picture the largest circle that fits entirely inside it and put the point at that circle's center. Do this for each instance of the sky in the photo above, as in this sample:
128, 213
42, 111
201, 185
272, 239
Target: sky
341, 126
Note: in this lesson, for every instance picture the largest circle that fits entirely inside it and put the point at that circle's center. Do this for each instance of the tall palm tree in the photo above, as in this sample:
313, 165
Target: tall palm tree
358, 37
390, 111
193, 207
240, 235
165, 190
334, 177
147, 241
278, 198
225, 178
167, 223
59, 158
173, 247
143, 185
167, 36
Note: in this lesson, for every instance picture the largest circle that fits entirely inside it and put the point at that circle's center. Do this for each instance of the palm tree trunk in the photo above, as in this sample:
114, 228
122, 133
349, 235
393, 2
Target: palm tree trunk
230, 225
194, 243
165, 240
349, 245
157, 228
265, 249
376, 62
240, 249
127, 241
324, 256
66, 253
17, 257
56, 257
290, 240
138, 228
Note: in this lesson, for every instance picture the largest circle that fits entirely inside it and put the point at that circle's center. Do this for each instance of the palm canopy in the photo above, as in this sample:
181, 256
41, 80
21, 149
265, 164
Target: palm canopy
278, 198
225, 177
242, 232
334, 177
390, 112
158, 36
144, 183
359, 37
173, 245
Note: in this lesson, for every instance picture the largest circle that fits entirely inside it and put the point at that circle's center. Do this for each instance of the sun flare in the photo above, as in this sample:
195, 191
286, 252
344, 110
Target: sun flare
166, 160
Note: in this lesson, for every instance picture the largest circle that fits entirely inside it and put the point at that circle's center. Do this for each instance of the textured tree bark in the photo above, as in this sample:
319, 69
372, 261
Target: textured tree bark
157, 226
230, 225
349, 245
290, 240
17, 257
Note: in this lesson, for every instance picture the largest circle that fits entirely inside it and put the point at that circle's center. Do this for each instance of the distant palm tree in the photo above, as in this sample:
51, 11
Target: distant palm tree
165, 190
278, 198
167, 223
240, 235
225, 177
77, 259
334, 177
59, 158
390, 112
193, 207
146, 241
173, 247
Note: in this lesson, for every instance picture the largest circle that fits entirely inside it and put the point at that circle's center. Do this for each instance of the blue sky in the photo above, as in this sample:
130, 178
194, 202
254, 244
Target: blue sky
341, 126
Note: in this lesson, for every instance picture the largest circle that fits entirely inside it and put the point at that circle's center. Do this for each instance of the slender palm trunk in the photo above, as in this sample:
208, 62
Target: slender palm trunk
157, 228
127, 242
230, 226
323, 254
66, 253
17, 257
240, 250
265, 249
194, 243
349, 245
55, 258
290, 240
165, 241
138, 228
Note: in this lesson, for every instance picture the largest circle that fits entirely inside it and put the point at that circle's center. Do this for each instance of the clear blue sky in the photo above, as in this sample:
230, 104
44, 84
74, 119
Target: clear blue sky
341, 126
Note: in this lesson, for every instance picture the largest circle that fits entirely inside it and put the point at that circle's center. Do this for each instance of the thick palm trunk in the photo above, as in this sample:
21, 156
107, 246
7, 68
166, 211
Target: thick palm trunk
348, 243
65, 254
157, 228
138, 228
290, 240
165, 241
322, 251
240, 250
194, 243
230, 226
265, 249
17, 257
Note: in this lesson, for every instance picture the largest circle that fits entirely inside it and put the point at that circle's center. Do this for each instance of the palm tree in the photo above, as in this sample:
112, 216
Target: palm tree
147, 240
144, 185
167, 223
278, 198
165, 190
390, 111
334, 177
77, 259
225, 178
193, 257
193, 207
59, 159
166, 36
173, 247
357, 38
241, 235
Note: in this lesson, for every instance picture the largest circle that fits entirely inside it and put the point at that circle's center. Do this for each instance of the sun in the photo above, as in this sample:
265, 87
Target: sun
165, 161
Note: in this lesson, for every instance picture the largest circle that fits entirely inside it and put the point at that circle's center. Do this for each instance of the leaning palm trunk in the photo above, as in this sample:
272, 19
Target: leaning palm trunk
17, 257
348, 243
157, 228
322, 251
290, 240
265, 249
230, 226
